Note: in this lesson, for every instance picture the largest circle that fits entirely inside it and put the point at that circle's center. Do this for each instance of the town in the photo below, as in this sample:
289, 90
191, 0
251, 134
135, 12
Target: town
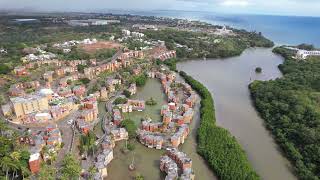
82, 99
62, 103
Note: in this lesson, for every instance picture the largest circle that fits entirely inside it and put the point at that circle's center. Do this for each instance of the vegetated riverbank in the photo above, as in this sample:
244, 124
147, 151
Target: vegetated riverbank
290, 108
215, 144
200, 44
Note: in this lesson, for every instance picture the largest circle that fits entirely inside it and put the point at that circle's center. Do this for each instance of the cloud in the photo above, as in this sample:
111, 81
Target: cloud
239, 3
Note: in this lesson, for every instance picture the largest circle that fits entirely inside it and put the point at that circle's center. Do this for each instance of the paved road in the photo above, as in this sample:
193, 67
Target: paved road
67, 136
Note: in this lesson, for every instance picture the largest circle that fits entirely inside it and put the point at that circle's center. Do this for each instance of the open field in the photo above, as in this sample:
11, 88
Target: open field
91, 48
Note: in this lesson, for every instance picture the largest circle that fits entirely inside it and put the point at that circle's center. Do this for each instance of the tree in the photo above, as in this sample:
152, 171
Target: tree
70, 168
307, 47
130, 126
140, 80
290, 108
92, 170
84, 81
258, 70
25, 172
127, 93
139, 177
47, 172
88, 143
8, 165
4, 69
120, 100
15, 155
81, 68
151, 102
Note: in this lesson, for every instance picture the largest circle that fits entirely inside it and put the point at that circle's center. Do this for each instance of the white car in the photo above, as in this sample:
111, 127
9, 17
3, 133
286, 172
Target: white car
69, 122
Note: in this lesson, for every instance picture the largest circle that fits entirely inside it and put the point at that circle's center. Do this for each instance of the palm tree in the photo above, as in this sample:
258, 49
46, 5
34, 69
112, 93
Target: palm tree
53, 156
92, 170
70, 167
5, 165
8, 165
24, 172
3, 127
15, 155
47, 172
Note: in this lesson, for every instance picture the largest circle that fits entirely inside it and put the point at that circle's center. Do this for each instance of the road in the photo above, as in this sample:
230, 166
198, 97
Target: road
67, 136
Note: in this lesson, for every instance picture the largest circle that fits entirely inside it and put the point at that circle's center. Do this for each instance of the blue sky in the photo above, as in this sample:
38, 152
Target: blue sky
279, 7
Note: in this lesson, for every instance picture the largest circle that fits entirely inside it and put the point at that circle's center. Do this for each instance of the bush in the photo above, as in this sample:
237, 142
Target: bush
151, 102
131, 147
120, 100
127, 93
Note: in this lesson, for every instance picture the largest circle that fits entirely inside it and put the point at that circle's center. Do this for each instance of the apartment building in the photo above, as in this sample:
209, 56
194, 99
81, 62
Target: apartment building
29, 104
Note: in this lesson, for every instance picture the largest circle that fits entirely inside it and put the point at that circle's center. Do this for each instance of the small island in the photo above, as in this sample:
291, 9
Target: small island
258, 70
151, 102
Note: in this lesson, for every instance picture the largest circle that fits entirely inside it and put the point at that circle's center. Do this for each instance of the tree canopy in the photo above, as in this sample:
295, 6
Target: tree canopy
290, 107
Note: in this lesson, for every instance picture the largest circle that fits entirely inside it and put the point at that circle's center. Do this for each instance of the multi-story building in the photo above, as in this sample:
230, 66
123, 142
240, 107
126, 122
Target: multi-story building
29, 104
34, 163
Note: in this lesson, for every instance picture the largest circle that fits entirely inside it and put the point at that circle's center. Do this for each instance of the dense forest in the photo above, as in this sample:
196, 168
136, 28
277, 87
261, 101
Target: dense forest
199, 45
216, 145
290, 107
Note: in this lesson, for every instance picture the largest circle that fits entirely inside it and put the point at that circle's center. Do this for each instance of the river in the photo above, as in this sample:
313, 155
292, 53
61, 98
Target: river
228, 79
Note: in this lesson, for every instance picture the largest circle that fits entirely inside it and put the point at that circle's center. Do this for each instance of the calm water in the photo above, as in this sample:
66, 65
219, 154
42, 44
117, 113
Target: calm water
228, 80
147, 160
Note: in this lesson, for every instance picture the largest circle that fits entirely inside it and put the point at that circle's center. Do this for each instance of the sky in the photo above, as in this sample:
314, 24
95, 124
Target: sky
276, 7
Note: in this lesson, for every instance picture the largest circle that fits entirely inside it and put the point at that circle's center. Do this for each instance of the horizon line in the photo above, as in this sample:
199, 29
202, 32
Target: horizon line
104, 11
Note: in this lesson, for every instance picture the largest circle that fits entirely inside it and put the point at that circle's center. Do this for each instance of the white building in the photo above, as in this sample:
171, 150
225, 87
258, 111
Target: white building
3, 51
126, 32
303, 54
137, 35
98, 22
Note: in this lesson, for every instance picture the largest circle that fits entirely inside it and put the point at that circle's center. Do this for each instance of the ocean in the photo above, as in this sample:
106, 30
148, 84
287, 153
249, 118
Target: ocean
288, 30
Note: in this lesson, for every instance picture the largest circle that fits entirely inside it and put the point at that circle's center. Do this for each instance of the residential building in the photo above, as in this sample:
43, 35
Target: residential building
20, 71
79, 90
82, 126
34, 163
304, 54
29, 104
119, 134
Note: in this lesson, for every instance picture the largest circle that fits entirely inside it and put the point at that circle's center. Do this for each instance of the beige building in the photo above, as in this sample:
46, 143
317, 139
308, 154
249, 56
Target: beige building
29, 104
